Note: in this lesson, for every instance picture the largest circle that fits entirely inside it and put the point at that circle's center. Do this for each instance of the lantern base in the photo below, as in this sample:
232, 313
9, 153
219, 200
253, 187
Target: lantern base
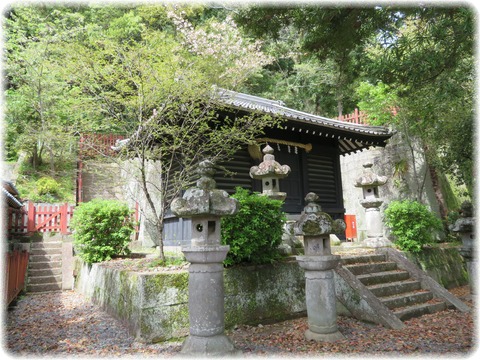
217, 345
330, 337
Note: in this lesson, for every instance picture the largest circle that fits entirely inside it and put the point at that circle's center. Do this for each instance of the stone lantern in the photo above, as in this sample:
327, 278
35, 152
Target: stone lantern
270, 172
205, 205
369, 182
464, 226
316, 226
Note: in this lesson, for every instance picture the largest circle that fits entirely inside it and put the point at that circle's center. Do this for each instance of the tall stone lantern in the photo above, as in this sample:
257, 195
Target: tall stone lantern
270, 172
205, 205
369, 182
464, 226
316, 226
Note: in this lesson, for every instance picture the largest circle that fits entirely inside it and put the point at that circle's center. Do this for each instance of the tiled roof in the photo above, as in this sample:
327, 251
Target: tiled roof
11, 200
351, 137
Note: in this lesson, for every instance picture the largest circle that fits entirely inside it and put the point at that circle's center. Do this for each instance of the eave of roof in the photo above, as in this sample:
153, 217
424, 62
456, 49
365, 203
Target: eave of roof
351, 137
11, 200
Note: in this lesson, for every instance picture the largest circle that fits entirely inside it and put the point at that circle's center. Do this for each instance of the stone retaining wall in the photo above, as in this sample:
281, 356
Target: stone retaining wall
155, 305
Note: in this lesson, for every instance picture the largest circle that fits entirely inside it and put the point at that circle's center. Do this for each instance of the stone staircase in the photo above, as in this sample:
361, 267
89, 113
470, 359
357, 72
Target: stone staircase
394, 287
45, 265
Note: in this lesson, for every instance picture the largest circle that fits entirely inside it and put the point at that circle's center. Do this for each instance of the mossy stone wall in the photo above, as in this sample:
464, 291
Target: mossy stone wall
445, 265
155, 305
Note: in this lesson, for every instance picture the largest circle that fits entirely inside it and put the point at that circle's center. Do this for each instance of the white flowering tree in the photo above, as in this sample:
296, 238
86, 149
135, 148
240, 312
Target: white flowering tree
220, 43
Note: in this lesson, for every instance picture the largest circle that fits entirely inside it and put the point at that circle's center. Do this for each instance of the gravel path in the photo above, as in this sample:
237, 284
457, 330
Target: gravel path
66, 324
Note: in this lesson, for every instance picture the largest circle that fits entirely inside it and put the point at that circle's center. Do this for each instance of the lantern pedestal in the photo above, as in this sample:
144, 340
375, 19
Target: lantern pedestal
205, 205
316, 226
464, 227
369, 182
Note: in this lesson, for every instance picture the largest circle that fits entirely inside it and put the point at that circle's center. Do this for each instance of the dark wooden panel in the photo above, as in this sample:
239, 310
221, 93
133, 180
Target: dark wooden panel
321, 180
240, 166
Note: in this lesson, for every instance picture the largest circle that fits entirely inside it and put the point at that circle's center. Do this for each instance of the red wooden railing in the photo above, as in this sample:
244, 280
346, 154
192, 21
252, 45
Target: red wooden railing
357, 117
17, 262
16, 221
49, 218
40, 217
94, 145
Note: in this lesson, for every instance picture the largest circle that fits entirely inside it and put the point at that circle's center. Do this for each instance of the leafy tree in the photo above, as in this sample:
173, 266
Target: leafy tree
422, 55
159, 92
337, 34
35, 108
428, 67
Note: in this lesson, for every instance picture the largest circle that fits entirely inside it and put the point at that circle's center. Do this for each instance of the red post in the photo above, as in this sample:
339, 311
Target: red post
64, 218
351, 229
31, 217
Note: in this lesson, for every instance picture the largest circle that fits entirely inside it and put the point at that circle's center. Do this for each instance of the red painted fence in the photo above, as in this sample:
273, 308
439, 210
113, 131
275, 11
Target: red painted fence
94, 145
46, 218
357, 117
17, 262
41, 217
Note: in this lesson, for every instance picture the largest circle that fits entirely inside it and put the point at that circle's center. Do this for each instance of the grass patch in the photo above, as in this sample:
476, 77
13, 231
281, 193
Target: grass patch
47, 186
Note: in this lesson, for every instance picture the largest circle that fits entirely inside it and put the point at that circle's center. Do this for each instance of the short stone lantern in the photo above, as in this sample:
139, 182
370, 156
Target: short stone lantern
205, 205
316, 226
464, 226
270, 172
369, 182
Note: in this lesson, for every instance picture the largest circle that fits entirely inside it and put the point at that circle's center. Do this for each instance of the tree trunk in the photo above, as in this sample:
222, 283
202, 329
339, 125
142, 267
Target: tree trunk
36, 157
52, 161
159, 225
437, 188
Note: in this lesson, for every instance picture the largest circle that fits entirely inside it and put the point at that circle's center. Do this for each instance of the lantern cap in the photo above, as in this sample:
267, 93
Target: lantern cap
204, 199
314, 222
269, 167
369, 178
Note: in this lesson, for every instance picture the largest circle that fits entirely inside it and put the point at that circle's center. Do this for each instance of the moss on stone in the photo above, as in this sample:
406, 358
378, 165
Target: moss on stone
445, 265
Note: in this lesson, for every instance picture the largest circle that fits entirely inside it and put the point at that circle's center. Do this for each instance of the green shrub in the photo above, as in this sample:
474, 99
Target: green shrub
102, 229
412, 224
255, 232
47, 185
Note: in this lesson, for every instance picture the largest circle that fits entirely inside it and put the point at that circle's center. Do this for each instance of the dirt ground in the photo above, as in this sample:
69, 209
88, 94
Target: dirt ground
67, 324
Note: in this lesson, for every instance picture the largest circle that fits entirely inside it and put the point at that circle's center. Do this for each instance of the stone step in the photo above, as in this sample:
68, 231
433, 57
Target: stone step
419, 310
48, 279
47, 245
48, 238
383, 277
406, 299
359, 259
43, 265
45, 272
45, 258
394, 288
46, 251
376, 267
44, 287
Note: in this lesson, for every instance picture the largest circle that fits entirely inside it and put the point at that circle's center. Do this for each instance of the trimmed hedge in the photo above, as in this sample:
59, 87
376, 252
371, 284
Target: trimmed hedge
102, 229
255, 232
